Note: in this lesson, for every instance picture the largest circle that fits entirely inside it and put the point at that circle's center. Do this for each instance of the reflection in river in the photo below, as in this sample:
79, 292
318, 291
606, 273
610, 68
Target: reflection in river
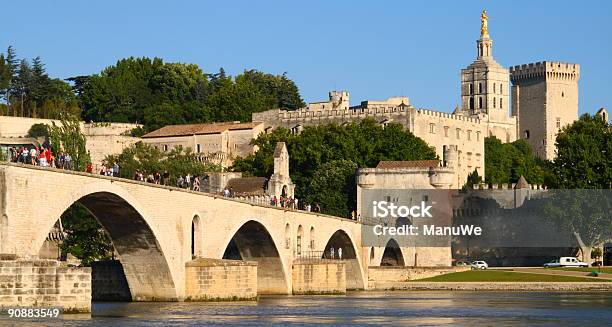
362, 308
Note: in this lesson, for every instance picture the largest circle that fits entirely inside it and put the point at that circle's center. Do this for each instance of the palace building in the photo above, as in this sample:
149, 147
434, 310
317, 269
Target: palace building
542, 99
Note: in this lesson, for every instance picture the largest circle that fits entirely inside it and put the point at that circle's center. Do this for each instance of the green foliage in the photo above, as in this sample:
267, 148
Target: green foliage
149, 160
333, 187
68, 138
39, 130
364, 144
584, 155
596, 253
582, 211
506, 162
472, 179
30, 92
156, 94
85, 238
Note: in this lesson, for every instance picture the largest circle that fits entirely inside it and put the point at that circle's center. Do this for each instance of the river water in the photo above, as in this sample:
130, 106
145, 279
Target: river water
359, 309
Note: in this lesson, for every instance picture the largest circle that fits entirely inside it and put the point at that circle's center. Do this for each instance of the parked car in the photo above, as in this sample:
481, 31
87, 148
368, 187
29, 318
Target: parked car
565, 262
462, 263
479, 265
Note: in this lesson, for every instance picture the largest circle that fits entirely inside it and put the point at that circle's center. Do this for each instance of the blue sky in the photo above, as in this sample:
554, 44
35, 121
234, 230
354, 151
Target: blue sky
374, 49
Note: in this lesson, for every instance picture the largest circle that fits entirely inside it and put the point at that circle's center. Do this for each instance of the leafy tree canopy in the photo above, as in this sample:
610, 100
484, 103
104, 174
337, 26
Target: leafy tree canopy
584, 155
156, 93
149, 160
67, 137
363, 144
506, 162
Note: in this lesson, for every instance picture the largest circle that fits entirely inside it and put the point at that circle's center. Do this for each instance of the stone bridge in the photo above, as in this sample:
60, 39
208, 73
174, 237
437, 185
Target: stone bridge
157, 230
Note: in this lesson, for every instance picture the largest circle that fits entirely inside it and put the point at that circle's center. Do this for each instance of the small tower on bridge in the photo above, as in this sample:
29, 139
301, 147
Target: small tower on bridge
280, 183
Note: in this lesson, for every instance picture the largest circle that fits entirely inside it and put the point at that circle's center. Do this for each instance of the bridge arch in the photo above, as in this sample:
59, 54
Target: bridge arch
392, 255
253, 242
139, 249
354, 272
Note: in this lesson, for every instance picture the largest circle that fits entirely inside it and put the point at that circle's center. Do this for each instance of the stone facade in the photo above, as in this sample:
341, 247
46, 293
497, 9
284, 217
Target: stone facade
319, 277
545, 99
220, 280
218, 143
102, 138
44, 283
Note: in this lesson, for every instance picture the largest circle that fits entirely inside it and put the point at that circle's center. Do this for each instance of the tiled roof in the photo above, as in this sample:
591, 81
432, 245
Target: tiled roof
408, 164
194, 129
248, 185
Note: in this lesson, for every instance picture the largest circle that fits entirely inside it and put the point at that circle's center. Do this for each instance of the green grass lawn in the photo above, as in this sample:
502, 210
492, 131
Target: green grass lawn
605, 270
504, 276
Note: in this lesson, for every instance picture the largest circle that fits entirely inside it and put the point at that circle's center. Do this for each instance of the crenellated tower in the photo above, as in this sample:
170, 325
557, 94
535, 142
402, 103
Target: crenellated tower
545, 99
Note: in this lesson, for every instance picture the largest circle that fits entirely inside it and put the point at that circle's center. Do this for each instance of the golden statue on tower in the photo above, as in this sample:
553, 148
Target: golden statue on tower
484, 24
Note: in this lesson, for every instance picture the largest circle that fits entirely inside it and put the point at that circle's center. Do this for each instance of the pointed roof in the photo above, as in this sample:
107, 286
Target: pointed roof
280, 148
522, 183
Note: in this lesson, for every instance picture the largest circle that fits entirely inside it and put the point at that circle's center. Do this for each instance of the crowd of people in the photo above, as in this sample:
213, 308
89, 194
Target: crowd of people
40, 156
44, 157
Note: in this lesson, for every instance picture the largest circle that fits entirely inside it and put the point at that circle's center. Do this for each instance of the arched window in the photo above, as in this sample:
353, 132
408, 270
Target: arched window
471, 103
526, 134
298, 243
479, 87
312, 238
196, 237
287, 236
432, 128
479, 103
501, 88
494, 102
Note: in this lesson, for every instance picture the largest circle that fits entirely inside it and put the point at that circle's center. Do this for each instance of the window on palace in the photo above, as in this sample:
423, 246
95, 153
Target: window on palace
469, 135
558, 123
477, 136
479, 103
432, 128
471, 89
494, 102
479, 87
526, 134
501, 104
471, 103
445, 131
458, 133
494, 88
198, 147
165, 147
501, 90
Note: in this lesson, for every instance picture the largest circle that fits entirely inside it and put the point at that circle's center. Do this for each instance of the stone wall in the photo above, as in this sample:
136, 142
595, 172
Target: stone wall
44, 283
319, 277
399, 274
108, 282
220, 280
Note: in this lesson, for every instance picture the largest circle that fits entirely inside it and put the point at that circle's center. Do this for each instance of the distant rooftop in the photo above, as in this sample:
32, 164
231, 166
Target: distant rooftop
198, 129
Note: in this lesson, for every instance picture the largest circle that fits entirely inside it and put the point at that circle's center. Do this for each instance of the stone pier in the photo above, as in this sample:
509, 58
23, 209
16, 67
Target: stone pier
220, 280
319, 277
44, 283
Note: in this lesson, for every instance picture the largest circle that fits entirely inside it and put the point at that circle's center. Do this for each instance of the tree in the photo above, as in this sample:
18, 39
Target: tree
506, 162
149, 160
333, 187
85, 238
584, 155
68, 138
472, 179
596, 253
365, 144
39, 130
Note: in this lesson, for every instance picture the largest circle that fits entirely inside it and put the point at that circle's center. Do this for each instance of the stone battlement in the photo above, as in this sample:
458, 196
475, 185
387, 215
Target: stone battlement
440, 114
506, 186
545, 69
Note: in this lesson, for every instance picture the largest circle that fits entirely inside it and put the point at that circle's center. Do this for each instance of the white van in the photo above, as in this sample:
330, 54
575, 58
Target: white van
566, 262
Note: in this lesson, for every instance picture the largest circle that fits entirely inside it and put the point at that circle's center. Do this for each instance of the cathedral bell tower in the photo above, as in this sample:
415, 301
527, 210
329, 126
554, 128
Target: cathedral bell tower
484, 83
485, 89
